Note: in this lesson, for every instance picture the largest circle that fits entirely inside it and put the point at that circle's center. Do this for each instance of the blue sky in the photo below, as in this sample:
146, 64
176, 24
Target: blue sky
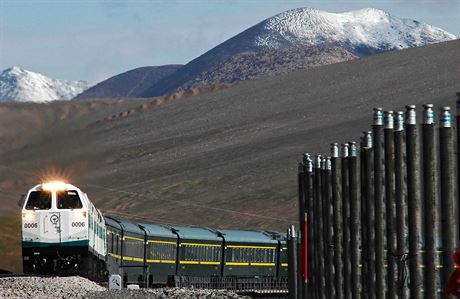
94, 39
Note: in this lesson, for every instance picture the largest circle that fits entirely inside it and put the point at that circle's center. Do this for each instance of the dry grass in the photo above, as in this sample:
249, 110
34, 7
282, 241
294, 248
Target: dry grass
10, 244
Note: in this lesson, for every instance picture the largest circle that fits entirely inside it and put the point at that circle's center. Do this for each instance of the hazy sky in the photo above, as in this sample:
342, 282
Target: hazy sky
94, 39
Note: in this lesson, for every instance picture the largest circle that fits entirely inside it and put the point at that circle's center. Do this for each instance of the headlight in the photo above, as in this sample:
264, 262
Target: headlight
80, 215
28, 216
53, 186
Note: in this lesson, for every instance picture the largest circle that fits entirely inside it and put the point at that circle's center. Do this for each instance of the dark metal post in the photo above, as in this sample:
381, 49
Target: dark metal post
370, 214
292, 262
364, 243
400, 203
320, 283
338, 227
390, 204
413, 201
308, 183
346, 222
329, 230
379, 181
324, 224
302, 224
430, 201
449, 225
354, 219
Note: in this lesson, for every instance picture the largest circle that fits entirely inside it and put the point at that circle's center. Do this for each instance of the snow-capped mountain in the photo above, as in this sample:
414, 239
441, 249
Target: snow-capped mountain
20, 85
361, 32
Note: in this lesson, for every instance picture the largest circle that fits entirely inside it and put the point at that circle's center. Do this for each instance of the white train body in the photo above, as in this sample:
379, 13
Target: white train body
61, 228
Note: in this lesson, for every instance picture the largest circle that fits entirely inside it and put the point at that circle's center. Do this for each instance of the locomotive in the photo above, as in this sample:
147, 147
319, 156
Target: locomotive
63, 233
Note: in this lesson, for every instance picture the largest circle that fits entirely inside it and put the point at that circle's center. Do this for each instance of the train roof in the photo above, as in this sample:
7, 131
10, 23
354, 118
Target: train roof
247, 236
110, 221
127, 225
53, 186
157, 230
197, 233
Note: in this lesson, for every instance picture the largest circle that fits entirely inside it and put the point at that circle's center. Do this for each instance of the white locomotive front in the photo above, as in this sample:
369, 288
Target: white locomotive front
62, 231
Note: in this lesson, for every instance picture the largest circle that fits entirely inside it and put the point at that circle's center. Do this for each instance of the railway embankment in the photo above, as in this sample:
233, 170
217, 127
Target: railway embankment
79, 287
47, 287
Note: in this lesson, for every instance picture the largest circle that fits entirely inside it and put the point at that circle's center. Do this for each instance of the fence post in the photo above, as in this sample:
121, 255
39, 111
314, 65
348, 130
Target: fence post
413, 201
390, 203
430, 202
346, 222
379, 181
329, 230
308, 183
400, 203
320, 285
324, 224
302, 209
338, 227
354, 218
364, 242
369, 221
449, 227
292, 262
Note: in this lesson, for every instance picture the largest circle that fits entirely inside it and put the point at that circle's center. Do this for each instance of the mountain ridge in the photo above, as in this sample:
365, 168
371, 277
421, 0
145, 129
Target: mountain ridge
310, 27
17, 84
131, 83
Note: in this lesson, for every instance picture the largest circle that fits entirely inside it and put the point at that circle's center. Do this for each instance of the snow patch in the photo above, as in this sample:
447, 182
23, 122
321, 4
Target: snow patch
20, 85
368, 28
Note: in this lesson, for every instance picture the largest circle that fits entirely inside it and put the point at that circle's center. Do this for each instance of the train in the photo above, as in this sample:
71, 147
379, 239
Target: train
63, 233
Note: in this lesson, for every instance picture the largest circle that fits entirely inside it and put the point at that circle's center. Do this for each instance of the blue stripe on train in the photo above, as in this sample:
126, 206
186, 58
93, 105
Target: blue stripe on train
28, 244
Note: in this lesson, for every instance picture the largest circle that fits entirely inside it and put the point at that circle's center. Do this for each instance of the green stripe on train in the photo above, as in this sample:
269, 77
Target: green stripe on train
28, 244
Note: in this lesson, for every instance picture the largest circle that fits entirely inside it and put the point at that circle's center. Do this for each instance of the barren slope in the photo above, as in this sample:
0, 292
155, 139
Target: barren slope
269, 63
128, 84
229, 158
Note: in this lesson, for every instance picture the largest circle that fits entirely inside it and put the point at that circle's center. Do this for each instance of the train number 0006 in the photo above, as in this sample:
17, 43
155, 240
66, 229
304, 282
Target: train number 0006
31, 225
78, 224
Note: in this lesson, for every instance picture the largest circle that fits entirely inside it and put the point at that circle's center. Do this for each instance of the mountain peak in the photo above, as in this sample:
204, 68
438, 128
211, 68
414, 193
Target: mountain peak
18, 84
14, 70
360, 32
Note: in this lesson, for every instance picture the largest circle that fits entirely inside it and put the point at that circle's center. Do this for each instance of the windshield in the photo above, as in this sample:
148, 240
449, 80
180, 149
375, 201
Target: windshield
68, 199
39, 200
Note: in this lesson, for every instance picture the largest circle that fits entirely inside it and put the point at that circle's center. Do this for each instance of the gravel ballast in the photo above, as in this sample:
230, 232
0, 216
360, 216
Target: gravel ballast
47, 287
79, 287
173, 293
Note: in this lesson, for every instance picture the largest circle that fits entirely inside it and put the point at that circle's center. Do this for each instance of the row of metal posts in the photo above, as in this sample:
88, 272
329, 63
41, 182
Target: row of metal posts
382, 221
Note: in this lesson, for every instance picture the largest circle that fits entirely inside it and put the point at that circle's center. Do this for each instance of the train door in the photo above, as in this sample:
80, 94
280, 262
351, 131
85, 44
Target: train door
51, 226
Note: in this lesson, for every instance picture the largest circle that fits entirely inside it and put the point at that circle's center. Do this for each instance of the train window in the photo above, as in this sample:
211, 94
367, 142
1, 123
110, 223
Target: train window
68, 199
200, 253
39, 200
133, 248
161, 251
251, 254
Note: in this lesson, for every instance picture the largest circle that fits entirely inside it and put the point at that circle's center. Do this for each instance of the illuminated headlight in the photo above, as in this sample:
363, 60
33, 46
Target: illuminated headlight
53, 186
80, 215
28, 216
